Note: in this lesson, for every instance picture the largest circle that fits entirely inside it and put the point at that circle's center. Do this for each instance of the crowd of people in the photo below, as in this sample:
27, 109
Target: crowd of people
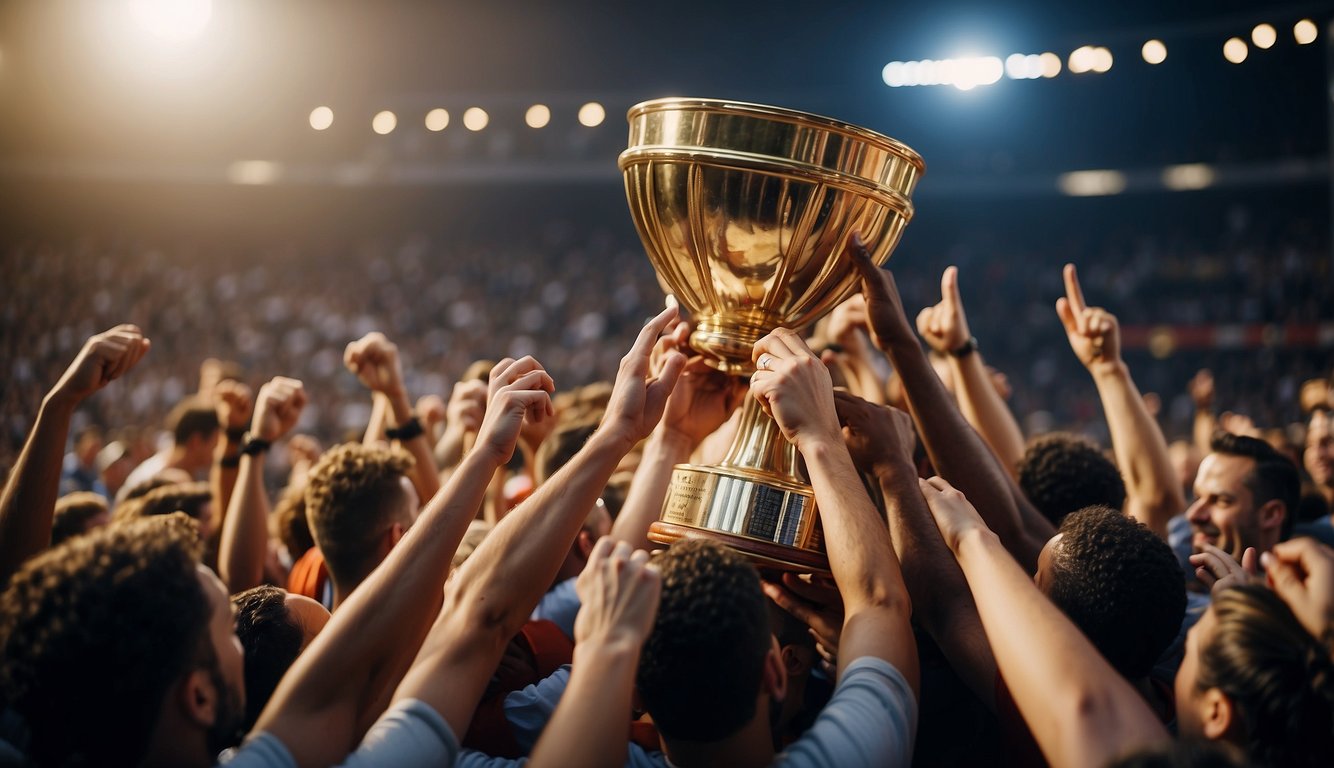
301, 513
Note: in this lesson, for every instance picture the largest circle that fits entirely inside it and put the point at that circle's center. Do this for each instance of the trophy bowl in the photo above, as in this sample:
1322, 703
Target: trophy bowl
746, 212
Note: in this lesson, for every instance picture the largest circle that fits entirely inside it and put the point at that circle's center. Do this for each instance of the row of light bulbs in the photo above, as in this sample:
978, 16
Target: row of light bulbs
475, 119
971, 72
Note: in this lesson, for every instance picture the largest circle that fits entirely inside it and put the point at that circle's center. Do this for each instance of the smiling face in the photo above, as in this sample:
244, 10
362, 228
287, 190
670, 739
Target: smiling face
1319, 454
1224, 512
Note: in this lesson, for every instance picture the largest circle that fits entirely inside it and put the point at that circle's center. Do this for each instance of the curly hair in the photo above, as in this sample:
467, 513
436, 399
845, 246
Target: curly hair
1121, 585
94, 633
1278, 677
1061, 472
73, 511
288, 522
701, 667
1274, 475
189, 498
272, 640
351, 499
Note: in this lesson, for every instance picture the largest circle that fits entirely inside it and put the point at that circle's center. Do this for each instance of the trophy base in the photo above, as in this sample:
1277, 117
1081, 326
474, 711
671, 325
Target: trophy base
767, 517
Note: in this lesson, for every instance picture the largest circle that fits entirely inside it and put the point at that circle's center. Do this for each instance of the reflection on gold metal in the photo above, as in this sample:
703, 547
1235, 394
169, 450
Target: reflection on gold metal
746, 212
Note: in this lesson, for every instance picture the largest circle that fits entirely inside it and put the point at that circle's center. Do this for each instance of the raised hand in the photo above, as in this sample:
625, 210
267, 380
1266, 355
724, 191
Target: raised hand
277, 408
618, 590
1093, 332
518, 391
234, 403
640, 394
815, 602
103, 359
945, 326
795, 388
1218, 571
467, 406
1301, 571
955, 515
374, 359
432, 411
1201, 389
884, 308
878, 436
848, 321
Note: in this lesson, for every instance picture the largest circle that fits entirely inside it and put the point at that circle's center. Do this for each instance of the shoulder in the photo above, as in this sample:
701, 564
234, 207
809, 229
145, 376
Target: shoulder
870, 720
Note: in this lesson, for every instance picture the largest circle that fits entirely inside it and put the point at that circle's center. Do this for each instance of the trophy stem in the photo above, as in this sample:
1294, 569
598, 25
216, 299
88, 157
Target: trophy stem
759, 445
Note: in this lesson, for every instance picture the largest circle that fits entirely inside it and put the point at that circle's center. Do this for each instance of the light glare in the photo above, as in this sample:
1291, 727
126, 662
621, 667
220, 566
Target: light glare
253, 172
592, 114
1235, 50
1189, 176
1264, 36
174, 21
321, 118
475, 118
384, 122
1091, 183
1154, 52
1304, 32
537, 116
1051, 64
437, 120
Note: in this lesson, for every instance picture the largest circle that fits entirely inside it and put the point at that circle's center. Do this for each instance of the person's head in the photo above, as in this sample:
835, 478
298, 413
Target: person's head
87, 444
194, 499
1246, 495
114, 466
77, 514
1119, 583
274, 628
119, 644
289, 524
711, 657
1253, 677
559, 447
1061, 472
359, 503
1319, 454
193, 425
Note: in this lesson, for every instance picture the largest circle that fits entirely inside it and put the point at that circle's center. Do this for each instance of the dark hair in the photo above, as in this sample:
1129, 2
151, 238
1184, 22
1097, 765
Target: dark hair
192, 416
1274, 476
189, 498
1184, 753
352, 495
561, 446
93, 635
1121, 585
289, 522
701, 667
1061, 472
272, 640
73, 511
1278, 677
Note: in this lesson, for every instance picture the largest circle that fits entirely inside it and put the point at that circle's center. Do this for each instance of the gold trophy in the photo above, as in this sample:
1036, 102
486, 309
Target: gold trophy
746, 211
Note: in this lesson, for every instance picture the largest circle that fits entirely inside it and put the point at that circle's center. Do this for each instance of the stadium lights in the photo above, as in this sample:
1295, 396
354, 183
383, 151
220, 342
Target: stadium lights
1189, 176
174, 21
437, 120
1304, 32
1154, 52
1235, 50
475, 118
321, 118
1090, 58
1091, 183
537, 116
962, 73
592, 114
253, 172
384, 122
1264, 36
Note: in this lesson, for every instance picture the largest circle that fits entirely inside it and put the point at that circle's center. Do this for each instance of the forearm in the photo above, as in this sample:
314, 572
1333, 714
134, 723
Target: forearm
984, 409
1140, 448
449, 450
648, 489
868, 381
29, 500
379, 415
425, 478
1203, 429
1080, 710
589, 727
222, 478
245, 537
959, 455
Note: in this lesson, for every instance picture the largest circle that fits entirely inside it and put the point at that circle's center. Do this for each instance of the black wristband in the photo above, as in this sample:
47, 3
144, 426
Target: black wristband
406, 431
235, 434
254, 446
965, 349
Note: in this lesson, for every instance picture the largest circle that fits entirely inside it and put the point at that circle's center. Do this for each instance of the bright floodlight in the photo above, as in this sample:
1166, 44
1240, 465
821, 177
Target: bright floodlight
384, 122
1021, 67
1264, 36
475, 119
175, 21
893, 75
1051, 64
1235, 50
1081, 59
1154, 52
437, 120
1101, 60
537, 116
1091, 183
1304, 32
1189, 176
592, 114
321, 118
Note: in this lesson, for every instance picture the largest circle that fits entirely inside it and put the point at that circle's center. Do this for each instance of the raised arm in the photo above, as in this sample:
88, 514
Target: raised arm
881, 440
374, 359
618, 590
28, 502
1079, 709
245, 537
235, 406
320, 707
1153, 491
945, 327
494, 592
956, 450
795, 387
463, 417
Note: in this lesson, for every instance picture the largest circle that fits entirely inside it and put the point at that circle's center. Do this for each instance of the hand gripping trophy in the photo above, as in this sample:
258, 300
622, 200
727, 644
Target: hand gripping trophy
745, 211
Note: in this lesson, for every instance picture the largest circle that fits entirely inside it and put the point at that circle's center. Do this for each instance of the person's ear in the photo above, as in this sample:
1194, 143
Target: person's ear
396, 531
585, 543
199, 698
775, 676
1216, 714
796, 660
1271, 514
